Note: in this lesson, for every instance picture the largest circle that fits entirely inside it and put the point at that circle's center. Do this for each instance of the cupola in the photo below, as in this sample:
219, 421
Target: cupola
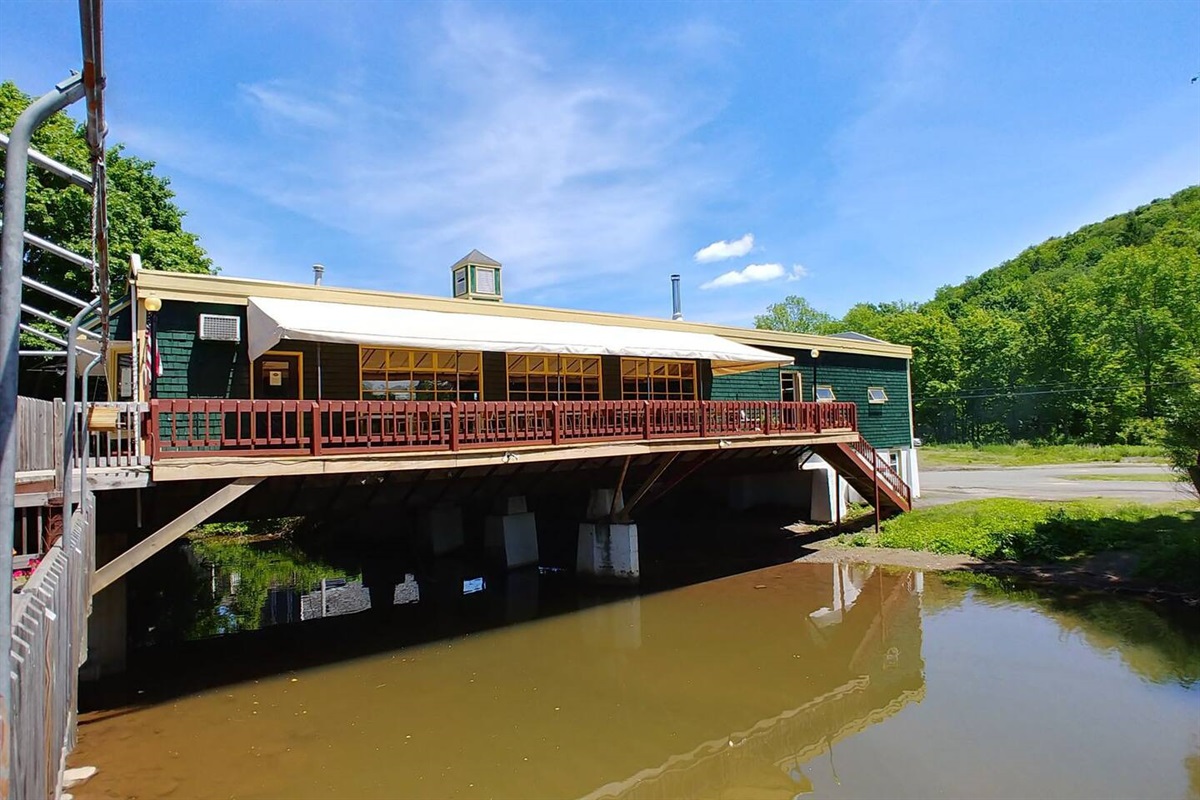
477, 277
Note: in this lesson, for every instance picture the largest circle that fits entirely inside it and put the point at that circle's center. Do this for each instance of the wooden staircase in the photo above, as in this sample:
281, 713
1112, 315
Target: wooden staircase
865, 469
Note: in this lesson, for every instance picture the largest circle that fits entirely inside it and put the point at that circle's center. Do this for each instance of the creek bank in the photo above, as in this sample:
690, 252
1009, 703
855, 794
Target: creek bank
1111, 571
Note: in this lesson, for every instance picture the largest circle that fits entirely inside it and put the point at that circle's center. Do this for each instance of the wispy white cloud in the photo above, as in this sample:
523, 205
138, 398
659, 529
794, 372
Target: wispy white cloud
553, 164
725, 249
798, 271
752, 273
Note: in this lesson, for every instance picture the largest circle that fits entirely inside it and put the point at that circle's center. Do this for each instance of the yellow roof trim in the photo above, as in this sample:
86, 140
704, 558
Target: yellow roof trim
236, 291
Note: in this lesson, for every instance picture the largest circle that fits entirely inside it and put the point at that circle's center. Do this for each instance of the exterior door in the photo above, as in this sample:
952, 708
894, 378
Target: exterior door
789, 386
277, 376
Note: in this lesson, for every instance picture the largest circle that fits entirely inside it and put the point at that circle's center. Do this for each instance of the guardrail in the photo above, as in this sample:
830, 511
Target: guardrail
49, 627
183, 428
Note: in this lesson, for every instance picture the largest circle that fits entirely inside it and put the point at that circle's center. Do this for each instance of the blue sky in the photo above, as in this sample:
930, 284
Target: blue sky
846, 152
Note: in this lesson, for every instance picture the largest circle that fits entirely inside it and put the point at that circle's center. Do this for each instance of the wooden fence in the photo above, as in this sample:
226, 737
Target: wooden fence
48, 646
39, 434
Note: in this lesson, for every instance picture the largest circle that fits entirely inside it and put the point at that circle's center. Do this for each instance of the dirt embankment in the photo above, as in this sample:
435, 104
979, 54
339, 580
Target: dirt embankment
1111, 571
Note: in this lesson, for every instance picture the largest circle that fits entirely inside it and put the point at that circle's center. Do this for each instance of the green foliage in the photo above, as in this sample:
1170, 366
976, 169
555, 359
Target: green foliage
1165, 538
1182, 435
1028, 454
794, 314
1075, 339
143, 217
263, 558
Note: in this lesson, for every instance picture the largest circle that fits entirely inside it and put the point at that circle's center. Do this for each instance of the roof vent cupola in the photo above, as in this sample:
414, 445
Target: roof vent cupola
477, 277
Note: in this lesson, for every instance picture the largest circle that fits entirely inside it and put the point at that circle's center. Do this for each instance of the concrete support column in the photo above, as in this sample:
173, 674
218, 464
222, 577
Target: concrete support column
511, 534
107, 626
827, 501
912, 472
441, 530
607, 550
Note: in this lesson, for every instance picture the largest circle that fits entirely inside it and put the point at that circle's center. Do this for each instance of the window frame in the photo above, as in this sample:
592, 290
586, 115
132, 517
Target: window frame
659, 369
558, 375
817, 393
412, 370
797, 385
880, 401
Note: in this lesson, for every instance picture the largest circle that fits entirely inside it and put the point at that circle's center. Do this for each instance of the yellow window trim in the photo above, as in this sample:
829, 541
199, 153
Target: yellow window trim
648, 374
559, 356
116, 349
410, 350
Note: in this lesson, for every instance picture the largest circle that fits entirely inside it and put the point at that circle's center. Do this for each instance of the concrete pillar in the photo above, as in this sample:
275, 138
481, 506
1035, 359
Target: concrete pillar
511, 534
441, 529
107, 636
608, 550
826, 499
912, 473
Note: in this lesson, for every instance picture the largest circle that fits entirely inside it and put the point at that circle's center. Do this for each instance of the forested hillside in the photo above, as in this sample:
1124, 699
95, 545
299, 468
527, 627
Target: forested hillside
1093, 337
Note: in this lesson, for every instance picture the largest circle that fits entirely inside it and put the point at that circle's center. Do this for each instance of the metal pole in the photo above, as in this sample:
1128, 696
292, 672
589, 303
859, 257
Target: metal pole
12, 256
68, 443
83, 427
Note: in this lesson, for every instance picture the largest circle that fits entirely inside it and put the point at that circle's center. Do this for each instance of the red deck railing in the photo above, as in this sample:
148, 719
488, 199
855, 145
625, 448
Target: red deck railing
182, 428
883, 469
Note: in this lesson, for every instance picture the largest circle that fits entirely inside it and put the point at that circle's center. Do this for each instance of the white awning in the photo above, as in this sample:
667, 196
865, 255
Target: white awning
270, 320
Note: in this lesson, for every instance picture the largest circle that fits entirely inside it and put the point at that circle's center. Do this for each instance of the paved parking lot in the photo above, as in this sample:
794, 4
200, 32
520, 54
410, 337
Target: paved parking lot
947, 485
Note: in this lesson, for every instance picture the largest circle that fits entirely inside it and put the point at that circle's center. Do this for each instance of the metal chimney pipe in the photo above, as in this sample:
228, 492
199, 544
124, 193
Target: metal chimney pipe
676, 302
318, 273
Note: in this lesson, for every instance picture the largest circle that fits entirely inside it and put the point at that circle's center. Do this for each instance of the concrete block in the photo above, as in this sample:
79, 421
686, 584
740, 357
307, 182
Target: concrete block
512, 505
442, 529
600, 503
608, 551
512, 538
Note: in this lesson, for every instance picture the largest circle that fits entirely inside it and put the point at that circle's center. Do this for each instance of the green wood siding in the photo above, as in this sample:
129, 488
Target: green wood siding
883, 425
195, 368
339, 369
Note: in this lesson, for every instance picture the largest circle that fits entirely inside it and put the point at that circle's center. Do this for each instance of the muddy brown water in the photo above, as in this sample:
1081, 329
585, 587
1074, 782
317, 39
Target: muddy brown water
822, 680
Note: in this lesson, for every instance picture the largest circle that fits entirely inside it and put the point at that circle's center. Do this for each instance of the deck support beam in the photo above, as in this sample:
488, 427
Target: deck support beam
117, 568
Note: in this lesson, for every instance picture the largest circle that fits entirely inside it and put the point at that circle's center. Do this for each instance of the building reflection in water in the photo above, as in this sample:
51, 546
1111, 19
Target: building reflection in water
855, 638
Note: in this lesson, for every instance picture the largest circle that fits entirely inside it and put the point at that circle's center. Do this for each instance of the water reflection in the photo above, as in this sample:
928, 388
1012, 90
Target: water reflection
843, 680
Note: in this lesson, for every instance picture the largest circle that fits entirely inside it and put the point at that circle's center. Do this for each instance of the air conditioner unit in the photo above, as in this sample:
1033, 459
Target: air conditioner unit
220, 328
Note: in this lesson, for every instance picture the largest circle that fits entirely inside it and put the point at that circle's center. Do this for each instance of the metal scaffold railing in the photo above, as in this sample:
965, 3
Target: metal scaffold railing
30, 765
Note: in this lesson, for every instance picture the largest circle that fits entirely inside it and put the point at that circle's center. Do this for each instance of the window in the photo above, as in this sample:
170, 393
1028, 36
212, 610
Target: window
542, 377
657, 379
460, 282
825, 394
876, 394
390, 374
789, 386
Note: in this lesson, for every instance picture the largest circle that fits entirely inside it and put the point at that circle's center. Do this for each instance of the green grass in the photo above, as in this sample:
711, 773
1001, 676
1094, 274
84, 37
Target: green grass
1157, 477
1166, 538
1023, 454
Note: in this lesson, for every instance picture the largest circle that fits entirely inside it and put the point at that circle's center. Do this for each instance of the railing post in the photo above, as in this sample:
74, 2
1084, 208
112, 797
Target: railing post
152, 432
703, 419
454, 426
554, 424
766, 426
646, 420
316, 428
818, 416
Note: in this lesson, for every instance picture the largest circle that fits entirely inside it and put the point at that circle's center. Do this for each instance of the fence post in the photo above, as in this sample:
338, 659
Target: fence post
646, 420
316, 428
454, 426
554, 424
